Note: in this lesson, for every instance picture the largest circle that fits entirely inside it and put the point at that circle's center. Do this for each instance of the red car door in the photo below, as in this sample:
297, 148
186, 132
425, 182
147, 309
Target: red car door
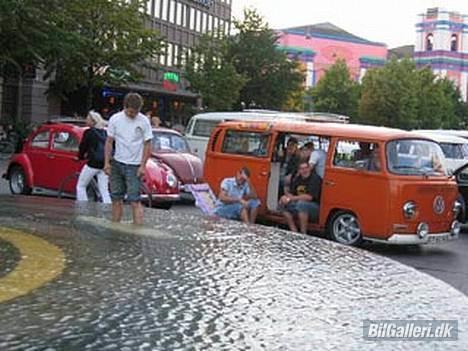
39, 155
65, 165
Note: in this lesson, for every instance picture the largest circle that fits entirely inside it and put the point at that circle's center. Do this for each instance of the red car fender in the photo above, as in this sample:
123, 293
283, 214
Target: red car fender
155, 178
23, 161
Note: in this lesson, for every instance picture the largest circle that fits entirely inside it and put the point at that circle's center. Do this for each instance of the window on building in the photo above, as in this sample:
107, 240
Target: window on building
192, 18
157, 8
199, 21
164, 9
210, 23
162, 57
176, 55
454, 43
170, 54
180, 14
185, 14
430, 42
205, 22
172, 8
149, 7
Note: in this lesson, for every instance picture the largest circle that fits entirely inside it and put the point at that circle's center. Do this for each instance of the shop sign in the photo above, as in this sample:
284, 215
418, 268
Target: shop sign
170, 81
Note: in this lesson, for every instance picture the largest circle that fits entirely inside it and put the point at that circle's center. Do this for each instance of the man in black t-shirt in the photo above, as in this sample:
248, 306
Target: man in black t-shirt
303, 198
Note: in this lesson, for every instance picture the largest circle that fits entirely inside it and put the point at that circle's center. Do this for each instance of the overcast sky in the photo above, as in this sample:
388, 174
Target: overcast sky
388, 21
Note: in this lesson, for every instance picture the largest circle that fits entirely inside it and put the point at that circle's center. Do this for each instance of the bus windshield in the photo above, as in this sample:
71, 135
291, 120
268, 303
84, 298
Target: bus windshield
415, 157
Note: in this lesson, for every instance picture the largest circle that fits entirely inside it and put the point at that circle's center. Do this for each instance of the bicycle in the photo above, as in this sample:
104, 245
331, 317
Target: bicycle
93, 190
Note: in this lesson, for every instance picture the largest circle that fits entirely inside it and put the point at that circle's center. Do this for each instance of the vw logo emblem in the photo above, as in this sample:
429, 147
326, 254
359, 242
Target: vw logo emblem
439, 205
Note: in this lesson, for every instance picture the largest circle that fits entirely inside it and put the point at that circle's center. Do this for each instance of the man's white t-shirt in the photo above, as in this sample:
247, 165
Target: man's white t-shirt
129, 135
317, 160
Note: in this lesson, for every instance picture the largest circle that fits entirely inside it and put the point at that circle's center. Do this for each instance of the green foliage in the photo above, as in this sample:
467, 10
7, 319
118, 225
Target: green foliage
400, 95
27, 32
212, 74
271, 77
336, 92
110, 42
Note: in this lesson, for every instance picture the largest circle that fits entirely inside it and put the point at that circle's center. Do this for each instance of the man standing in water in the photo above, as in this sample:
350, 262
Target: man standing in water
131, 131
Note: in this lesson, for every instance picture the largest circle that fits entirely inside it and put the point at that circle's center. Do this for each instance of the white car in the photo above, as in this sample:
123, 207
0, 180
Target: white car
200, 126
455, 148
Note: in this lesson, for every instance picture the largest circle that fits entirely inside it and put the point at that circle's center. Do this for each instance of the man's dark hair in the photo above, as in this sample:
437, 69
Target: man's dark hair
308, 145
246, 171
133, 100
303, 162
292, 140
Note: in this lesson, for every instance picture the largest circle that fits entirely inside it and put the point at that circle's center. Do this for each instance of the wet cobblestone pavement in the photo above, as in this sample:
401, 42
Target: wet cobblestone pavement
184, 282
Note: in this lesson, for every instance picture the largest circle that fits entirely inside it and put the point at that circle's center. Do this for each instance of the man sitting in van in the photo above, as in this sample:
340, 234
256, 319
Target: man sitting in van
237, 198
303, 199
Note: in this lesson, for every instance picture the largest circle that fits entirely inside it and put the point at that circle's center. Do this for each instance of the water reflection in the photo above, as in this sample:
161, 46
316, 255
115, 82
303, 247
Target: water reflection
197, 283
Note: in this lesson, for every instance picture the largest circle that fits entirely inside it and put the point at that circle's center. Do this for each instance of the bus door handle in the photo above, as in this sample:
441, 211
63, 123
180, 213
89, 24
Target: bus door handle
329, 183
50, 156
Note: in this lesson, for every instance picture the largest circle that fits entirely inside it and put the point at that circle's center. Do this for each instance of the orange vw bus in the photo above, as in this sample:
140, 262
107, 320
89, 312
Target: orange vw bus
406, 197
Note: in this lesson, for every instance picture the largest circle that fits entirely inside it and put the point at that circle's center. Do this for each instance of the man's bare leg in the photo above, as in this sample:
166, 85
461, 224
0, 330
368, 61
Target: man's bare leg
303, 221
244, 215
117, 210
253, 215
289, 217
137, 211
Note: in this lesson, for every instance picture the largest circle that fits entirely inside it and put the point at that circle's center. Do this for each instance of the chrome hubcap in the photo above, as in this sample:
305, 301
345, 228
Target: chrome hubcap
346, 229
17, 182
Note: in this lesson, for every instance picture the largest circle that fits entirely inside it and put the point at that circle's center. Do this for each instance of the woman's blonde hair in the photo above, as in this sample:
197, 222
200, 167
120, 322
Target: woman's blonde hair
98, 121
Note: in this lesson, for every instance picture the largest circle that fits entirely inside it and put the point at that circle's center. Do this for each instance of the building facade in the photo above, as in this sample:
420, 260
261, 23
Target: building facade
319, 46
442, 44
166, 93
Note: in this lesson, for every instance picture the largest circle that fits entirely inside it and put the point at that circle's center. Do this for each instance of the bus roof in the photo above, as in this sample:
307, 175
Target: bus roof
326, 129
253, 115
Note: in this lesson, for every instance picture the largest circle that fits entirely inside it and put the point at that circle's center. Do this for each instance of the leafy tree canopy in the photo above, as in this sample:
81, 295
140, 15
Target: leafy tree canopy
212, 74
271, 77
336, 92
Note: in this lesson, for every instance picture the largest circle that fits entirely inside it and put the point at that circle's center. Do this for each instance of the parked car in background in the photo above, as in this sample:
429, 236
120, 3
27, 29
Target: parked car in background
49, 160
171, 148
200, 126
455, 148
379, 184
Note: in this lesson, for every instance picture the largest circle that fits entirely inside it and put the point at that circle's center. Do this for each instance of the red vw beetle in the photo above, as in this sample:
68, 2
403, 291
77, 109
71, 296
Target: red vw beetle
171, 148
48, 160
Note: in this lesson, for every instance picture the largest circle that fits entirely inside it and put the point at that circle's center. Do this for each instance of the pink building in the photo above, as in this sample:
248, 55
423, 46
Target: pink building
319, 46
442, 44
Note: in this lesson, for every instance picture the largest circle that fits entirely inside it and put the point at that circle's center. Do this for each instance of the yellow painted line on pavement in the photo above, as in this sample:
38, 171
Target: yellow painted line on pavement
40, 263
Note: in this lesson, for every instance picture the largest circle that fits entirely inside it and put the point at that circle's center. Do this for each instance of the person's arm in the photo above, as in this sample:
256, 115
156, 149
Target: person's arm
251, 193
148, 136
108, 154
84, 146
224, 197
145, 158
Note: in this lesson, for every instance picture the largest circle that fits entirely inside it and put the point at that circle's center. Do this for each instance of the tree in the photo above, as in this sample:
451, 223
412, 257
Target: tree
111, 43
212, 74
400, 95
336, 92
388, 95
271, 76
27, 30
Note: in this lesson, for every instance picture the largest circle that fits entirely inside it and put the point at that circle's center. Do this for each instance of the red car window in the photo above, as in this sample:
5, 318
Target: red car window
65, 141
41, 140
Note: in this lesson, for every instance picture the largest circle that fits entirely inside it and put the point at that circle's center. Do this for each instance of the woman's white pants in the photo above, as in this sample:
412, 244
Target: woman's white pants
87, 173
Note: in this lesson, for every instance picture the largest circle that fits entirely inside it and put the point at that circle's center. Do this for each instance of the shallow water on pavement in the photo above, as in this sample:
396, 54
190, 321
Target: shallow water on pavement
187, 282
